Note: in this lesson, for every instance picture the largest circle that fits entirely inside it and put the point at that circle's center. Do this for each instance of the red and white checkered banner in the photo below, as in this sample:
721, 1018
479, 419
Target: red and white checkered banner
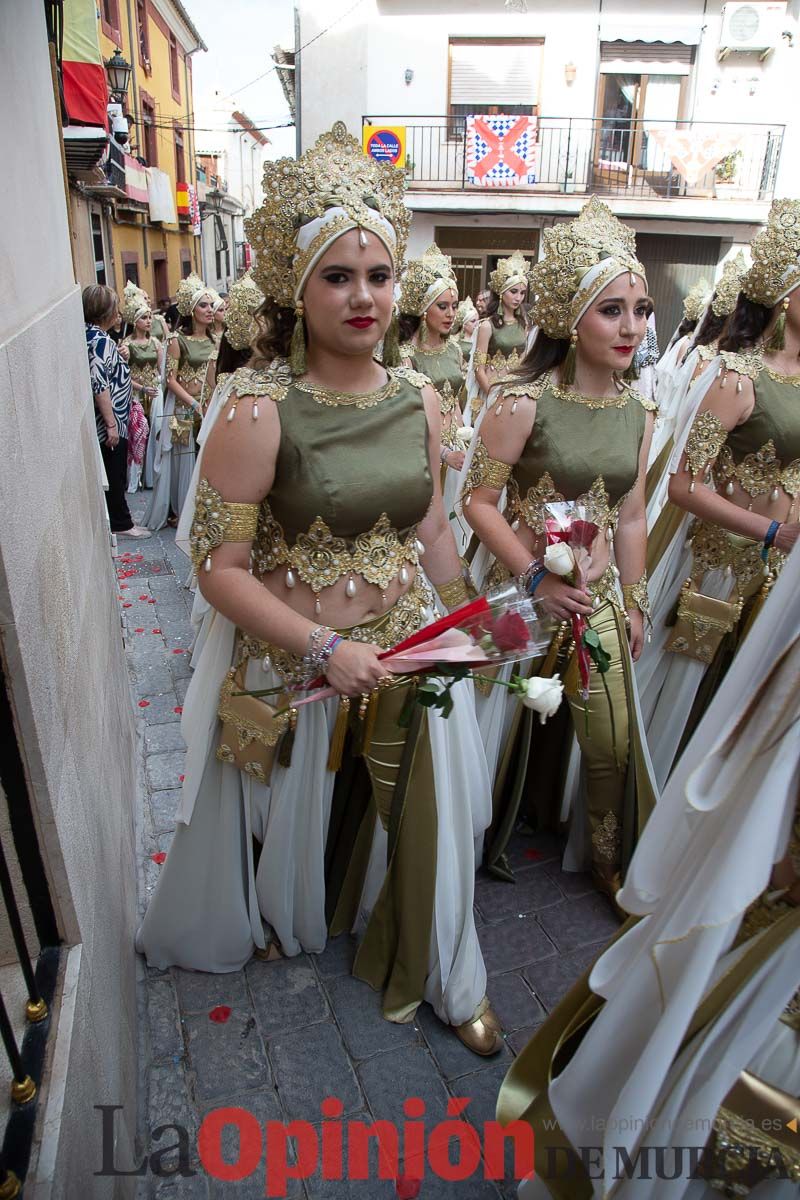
502, 150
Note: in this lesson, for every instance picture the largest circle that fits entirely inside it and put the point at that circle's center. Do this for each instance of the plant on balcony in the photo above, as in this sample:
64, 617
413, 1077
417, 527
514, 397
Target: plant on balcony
726, 170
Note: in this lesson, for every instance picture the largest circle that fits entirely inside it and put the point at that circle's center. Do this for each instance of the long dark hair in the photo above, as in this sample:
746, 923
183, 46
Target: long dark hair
186, 325
275, 327
746, 325
710, 329
687, 325
228, 359
544, 355
409, 325
494, 312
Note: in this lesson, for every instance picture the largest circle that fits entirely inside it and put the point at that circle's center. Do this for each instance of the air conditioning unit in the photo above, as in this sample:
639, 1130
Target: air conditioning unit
752, 27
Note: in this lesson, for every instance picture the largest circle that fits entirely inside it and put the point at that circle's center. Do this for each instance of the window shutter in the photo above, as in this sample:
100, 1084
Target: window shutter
646, 58
493, 73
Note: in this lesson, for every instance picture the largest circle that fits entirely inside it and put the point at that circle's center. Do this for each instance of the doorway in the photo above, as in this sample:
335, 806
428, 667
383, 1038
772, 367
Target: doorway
161, 281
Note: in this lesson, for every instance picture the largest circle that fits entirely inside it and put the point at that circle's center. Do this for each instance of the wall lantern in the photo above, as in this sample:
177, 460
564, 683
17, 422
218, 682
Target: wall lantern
118, 71
570, 71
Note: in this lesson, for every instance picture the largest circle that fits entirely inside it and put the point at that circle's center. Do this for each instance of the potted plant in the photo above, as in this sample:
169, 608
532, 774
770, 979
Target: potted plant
726, 173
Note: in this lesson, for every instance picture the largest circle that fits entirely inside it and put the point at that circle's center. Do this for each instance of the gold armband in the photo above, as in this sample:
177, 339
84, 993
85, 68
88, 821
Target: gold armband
634, 595
480, 358
485, 472
454, 593
216, 522
706, 438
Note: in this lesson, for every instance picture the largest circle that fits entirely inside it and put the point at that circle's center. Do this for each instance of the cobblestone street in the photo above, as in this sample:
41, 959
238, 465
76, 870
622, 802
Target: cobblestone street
303, 1029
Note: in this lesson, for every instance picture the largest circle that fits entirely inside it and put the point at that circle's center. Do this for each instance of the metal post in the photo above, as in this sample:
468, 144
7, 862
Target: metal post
23, 1088
35, 1009
566, 160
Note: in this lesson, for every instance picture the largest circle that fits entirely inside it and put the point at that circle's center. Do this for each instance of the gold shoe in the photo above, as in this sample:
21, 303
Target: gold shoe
481, 1036
609, 885
271, 953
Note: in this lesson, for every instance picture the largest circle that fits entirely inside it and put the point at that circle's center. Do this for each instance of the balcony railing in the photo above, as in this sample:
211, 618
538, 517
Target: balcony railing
612, 156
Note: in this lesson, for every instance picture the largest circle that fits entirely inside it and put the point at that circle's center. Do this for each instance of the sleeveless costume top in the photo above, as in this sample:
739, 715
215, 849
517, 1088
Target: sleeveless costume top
506, 348
443, 366
465, 345
159, 328
143, 361
352, 483
195, 355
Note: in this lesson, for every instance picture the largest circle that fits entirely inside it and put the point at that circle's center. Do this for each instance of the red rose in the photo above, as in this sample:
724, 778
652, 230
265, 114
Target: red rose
509, 632
582, 533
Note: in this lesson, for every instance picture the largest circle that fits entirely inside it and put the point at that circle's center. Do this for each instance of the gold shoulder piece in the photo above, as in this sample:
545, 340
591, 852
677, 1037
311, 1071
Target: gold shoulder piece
415, 378
706, 438
216, 521
485, 471
750, 363
273, 381
406, 350
647, 405
532, 390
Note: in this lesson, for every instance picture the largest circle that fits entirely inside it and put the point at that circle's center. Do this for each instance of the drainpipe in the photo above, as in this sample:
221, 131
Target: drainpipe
298, 107
134, 45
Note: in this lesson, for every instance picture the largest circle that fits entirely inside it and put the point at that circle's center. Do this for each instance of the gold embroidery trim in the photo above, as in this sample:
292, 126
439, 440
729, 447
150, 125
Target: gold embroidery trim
706, 438
480, 358
485, 471
739, 1145
749, 363
454, 593
596, 402
635, 595
321, 559
269, 734
216, 521
447, 401
415, 378
532, 511
273, 380
714, 549
759, 473
333, 399
792, 380
607, 839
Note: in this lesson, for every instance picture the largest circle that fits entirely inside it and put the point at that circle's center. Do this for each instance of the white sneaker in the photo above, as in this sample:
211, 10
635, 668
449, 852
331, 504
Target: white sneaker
136, 531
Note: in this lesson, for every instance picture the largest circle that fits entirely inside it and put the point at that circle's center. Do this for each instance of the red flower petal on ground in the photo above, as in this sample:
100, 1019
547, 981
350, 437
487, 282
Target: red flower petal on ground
127, 604
123, 586
178, 651
137, 558
407, 1187
151, 601
179, 709
510, 632
156, 631
144, 704
181, 778
144, 597
533, 855
220, 1014
159, 858
138, 631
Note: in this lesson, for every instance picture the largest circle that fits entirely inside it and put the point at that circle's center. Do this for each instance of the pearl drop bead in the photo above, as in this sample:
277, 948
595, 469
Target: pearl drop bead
207, 563
232, 413
267, 663
513, 408
350, 588
609, 534
291, 578
419, 545
729, 488
403, 576
255, 411
615, 570
515, 524
774, 495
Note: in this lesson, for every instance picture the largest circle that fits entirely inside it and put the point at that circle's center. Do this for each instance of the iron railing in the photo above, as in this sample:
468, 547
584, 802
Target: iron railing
610, 156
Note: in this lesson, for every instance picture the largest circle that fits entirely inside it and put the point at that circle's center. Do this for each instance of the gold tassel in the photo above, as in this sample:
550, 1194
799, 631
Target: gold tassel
778, 338
391, 343
568, 366
369, 722
339, 735
297, 348
287, 741
631, 373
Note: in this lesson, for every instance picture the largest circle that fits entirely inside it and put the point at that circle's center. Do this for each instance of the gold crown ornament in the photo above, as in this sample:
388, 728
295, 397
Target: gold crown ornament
776, 256
509, 272
190, 291
134, 303
696, 299
309, 202
425, 280
581, 257
727, 289
244, 299
466, 311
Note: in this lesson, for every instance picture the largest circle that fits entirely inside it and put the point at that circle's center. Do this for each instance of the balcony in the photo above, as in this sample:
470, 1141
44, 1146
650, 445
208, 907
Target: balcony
617, 157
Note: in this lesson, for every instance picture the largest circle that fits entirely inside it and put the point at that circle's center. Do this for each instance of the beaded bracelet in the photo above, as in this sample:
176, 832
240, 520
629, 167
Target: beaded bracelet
524, 578
322, 642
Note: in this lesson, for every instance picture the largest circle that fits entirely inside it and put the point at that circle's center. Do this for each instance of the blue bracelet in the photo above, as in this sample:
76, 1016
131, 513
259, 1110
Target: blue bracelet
536, 580
769, 539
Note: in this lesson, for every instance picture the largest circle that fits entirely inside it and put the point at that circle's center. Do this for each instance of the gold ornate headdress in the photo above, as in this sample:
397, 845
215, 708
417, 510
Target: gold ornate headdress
776, 256
696, 299
726, 292
190, 291
425, 280
310, 201
243, 300
581, 257
465, 312
134, 303
216, 299
509, 272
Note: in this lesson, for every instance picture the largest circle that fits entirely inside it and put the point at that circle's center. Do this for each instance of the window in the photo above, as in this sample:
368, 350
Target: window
150, 131
180, 159
130, 268
109, 19
174, 74
494, 75
98, 247
143, 33
186, 264
221, 247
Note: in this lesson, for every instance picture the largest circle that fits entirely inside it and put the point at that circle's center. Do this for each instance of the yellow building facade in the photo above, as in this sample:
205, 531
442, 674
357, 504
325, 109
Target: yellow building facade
115, 235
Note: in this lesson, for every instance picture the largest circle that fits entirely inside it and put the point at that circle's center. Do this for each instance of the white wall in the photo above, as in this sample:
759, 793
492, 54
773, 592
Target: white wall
59, 622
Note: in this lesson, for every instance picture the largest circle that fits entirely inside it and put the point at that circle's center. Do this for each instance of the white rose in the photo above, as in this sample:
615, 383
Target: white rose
543, 696
559, 559
465, 433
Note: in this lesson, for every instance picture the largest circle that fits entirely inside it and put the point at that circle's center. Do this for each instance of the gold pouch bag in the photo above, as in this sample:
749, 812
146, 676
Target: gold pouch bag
701, 624
250, 730
181, 430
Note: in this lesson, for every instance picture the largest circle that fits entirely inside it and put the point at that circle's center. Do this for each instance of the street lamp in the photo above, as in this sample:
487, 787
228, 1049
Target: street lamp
118, 71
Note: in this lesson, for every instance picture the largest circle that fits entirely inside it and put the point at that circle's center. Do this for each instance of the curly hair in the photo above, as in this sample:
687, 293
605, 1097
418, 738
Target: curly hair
275, 327
746, 325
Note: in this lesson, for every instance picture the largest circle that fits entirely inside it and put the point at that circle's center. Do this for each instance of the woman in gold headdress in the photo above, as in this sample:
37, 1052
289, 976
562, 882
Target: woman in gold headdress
569, 428
317, 507
145, 360
737, 471
464, 326
503, 332
218, 307
190, 383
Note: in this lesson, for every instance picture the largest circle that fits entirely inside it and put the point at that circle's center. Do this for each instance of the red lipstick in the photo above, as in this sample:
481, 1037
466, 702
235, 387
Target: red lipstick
624, 349
361, 322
